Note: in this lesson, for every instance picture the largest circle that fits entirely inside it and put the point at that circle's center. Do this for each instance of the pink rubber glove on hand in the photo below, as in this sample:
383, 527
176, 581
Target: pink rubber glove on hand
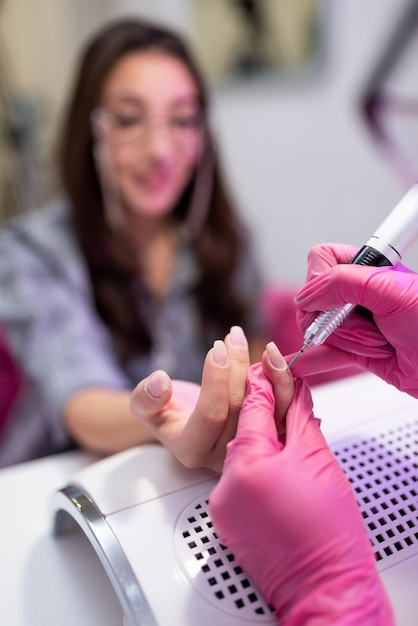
386, 346
289, 515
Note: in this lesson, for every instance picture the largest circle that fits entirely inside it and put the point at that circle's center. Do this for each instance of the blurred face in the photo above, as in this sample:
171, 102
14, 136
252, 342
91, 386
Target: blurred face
150, 121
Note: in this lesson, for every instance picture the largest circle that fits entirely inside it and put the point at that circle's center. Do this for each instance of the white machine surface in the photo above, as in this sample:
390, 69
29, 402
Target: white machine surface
147, 517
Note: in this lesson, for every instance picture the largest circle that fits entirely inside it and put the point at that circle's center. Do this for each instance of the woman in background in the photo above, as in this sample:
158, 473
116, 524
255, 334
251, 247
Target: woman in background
140, 265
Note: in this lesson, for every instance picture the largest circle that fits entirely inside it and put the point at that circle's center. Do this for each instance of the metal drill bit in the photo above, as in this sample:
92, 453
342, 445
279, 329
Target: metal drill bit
295, 358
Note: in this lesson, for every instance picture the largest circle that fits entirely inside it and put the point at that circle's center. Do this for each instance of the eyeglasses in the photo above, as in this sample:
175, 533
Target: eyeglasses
118, 127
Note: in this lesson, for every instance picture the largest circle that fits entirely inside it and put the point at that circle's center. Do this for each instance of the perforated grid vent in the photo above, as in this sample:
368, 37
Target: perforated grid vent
381, 461
212, 569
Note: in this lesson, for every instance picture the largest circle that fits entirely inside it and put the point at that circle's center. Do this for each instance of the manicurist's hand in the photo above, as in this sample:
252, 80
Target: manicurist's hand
289, 515
195, 422
385, 342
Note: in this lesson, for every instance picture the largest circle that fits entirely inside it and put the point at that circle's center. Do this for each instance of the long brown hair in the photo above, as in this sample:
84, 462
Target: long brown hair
218, 245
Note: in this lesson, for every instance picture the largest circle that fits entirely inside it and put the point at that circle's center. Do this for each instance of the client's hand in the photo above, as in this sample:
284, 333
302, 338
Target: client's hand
288, 513
196, 422
384, 344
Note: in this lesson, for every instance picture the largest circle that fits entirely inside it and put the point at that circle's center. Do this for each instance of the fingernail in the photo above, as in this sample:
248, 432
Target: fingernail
275, 357
220, 354
157, 384
238, 337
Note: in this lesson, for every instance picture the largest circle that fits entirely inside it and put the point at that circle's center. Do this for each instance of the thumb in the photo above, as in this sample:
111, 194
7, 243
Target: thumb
256, 432
302, 428
151, 395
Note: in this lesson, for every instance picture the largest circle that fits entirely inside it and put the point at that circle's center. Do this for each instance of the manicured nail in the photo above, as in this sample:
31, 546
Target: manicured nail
157, 384
238, 337
275, 357
220, 354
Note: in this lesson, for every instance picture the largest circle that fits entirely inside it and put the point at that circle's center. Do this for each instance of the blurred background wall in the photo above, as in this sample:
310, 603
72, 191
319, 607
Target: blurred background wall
302, 164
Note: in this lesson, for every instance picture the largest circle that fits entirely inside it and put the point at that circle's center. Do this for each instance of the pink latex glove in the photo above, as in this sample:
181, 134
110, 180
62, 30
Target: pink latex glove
289, 515
385, 345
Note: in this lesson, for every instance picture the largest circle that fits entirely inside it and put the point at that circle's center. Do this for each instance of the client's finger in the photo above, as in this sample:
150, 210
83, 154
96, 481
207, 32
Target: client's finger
256, 433
275, 368
151, 394
203, 429
239, 362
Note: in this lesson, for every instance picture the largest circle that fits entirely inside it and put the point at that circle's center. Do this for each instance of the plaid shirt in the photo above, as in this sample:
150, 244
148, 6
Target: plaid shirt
61, 345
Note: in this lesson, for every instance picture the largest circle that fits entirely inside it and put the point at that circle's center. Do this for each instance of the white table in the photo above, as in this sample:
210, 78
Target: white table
45, 581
